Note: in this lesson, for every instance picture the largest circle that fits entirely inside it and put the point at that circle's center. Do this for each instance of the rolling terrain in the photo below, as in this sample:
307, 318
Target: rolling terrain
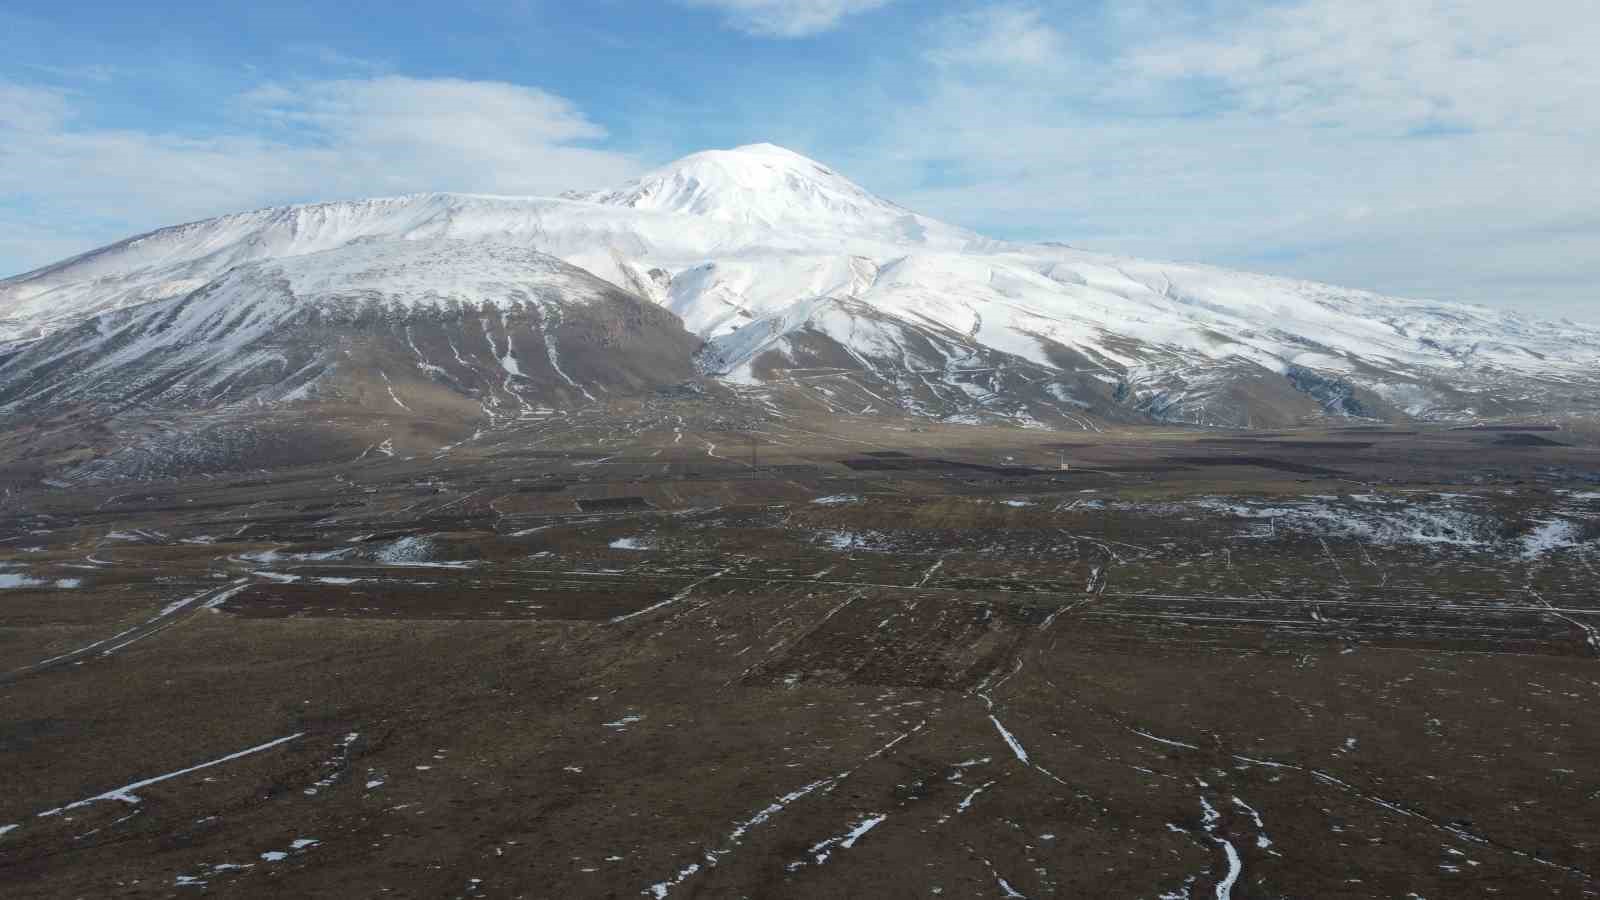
667, 656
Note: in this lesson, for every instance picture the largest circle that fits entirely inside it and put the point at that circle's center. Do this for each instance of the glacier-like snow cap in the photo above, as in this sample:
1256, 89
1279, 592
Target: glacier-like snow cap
767, 185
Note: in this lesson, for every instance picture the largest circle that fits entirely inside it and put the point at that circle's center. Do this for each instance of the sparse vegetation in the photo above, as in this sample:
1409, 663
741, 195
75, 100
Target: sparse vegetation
584, 657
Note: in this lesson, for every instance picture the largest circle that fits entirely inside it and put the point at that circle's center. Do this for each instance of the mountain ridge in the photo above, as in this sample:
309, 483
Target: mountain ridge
783, 266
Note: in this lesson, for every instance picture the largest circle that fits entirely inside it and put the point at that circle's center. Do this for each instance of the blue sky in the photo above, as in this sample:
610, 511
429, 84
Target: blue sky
1435, 148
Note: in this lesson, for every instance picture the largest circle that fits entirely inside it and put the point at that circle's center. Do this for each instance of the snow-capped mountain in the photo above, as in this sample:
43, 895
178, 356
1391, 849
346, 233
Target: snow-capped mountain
801, 280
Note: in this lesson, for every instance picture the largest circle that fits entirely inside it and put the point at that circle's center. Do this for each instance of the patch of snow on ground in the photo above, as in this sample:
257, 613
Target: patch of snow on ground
843, 540
416, 550
407, 550
632, 543
1549, 536
1439, 523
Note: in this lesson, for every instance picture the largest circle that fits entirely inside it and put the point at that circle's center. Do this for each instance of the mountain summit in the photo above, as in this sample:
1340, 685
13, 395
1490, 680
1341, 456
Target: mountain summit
770, 186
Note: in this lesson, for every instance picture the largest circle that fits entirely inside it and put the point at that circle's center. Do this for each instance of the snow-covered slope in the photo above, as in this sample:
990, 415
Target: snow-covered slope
1177, 340
407, 327
798, 277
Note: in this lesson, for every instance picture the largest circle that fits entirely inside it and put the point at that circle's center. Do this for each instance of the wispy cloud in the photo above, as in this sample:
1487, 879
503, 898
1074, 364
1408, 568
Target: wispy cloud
1369, 64
787, 18
445, 133
336, 60
99, 73
1007, 37
1425, 148
31, 110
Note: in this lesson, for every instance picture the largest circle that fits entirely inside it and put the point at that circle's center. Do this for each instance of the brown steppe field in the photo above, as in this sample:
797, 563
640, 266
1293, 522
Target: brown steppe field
611, 656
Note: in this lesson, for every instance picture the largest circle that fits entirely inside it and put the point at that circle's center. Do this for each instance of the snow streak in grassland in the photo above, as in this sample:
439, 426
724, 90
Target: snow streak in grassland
126, 795
821, 851
1209, 820
764, 815
670, 600
1016, 747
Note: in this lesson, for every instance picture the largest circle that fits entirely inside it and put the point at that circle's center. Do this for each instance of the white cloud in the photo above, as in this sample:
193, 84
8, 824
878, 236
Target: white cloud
1373, 63
295, 142
32, 109
787, 18
448, 134
1430, 148
1008, 36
